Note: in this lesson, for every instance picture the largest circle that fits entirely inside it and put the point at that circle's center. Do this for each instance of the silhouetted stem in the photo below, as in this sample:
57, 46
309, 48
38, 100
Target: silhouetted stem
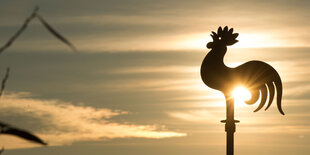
15, 36
230, 126
45, 24
4, 81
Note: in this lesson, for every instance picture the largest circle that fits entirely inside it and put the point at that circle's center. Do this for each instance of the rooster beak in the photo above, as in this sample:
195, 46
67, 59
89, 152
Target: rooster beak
210, 45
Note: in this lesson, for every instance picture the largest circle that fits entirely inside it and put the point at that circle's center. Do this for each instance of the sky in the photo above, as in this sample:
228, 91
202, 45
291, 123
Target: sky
135, 88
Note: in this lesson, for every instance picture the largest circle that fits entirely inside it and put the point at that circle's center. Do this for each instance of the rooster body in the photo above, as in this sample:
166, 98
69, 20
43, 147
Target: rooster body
259, 77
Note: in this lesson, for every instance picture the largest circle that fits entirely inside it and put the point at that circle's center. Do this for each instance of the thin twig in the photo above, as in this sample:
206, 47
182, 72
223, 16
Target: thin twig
8, 129
24, 26
44, 23
55, 33
2, 150
4, 81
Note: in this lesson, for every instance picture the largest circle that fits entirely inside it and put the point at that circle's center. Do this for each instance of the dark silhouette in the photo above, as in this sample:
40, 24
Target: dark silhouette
44, 23
5, 128
257, 76
8, 129
4, 81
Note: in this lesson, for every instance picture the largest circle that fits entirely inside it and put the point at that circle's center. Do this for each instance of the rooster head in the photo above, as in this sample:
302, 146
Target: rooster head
223, 37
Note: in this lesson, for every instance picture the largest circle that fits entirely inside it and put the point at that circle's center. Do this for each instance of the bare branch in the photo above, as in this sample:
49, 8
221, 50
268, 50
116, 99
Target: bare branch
44, 23
55, 33
20, 31
4, 81
7, 129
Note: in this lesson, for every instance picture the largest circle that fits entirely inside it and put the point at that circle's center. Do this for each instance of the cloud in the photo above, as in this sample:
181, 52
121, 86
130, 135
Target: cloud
200, 116
164, 84
149, 25
61, 123
157, 78
156, 69
261, 122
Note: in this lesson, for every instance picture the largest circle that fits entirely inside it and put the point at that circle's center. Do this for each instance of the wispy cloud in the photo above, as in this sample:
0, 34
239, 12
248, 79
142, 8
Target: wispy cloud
163, 84
256, 123
156, 83
61, 123
156, 69
150, 25
201, 116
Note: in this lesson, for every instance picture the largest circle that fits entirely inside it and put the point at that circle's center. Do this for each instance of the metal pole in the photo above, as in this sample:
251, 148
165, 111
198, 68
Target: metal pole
230, 126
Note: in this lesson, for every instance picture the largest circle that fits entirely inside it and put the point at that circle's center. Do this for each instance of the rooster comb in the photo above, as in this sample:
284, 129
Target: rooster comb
225, 35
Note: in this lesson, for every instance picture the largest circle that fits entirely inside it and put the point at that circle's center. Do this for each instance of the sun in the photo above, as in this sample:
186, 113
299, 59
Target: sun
240, 95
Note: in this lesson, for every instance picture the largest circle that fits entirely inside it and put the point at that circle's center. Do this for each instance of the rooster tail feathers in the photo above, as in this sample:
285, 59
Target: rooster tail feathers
267, 87
278, 84
254, 97
271, 93
272, 85
264, 94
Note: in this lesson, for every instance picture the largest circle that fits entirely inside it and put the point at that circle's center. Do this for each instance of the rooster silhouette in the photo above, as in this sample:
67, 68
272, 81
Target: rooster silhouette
259, 77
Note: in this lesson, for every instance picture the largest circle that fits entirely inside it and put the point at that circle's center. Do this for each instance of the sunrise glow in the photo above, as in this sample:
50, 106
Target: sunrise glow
246, 40
135, 77
241, 94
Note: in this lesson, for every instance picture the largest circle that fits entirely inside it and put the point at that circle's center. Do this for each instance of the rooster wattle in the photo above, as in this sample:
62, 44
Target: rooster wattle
259, 77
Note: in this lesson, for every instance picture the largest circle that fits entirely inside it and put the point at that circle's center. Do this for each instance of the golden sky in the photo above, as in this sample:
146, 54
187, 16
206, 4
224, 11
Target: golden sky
158, 25
135, 86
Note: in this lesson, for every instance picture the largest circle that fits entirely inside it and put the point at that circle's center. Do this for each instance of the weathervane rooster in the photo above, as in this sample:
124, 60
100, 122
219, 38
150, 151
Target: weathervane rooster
257, 76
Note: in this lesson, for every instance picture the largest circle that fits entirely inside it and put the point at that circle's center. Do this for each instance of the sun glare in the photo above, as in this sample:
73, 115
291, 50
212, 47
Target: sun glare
241, 94
248, 40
